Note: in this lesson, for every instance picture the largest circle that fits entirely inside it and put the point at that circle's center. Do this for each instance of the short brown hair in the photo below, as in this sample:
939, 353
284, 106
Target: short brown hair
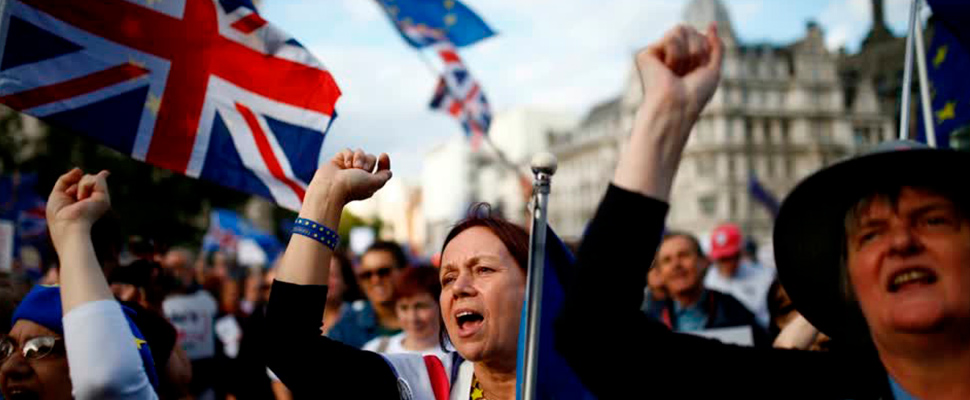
514, 237
417, 280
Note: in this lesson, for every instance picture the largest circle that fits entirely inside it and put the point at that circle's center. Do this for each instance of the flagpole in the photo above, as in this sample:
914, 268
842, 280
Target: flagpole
543, 167
907, 76
924, 82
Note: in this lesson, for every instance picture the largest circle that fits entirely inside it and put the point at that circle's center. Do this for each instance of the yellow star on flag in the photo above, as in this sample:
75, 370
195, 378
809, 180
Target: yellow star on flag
139, 342
450, 19
940, 56
151, 3
449, 4
948, 112
154, 103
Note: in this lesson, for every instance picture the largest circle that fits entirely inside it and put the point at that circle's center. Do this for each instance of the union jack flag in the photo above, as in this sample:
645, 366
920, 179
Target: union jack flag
457, 93
206, 88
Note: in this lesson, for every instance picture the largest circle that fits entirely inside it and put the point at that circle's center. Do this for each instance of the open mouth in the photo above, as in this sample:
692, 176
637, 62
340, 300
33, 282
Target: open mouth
911, 277
468, 322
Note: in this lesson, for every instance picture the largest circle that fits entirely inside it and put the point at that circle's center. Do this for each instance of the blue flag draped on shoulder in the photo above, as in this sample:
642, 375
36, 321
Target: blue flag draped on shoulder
948, 62
460, 25
205, 88
555, 380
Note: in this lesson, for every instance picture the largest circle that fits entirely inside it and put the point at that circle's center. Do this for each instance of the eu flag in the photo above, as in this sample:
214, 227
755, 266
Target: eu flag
555, 380
948, 63
459, 24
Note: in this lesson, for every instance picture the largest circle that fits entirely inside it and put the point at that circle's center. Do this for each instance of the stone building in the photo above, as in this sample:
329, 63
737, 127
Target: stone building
780, 113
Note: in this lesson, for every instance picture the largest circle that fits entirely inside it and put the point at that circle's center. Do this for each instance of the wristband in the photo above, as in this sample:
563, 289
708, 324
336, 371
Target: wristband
315, 231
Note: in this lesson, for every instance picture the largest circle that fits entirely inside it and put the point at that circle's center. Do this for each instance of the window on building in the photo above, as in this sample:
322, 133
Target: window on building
705, 166
767, 133
789, 165
784, 132
733, 206
730, 165
748, 128
770, 165
708, 205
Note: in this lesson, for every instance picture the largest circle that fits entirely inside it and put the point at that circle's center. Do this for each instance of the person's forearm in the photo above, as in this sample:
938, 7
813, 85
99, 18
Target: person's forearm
306, 261
81, 279
650, 160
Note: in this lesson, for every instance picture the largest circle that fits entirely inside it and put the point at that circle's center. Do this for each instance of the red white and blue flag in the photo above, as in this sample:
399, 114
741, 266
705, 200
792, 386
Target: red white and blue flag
206, 88
457, 93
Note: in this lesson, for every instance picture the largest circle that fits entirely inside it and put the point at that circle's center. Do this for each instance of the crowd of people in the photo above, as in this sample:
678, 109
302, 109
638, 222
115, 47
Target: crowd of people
871, 297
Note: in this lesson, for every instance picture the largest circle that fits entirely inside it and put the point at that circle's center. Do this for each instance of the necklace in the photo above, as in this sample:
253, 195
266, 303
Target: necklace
477, 392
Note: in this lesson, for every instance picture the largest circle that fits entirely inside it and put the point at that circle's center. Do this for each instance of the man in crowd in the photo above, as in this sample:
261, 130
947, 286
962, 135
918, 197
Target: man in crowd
742, 278
378, 267
691, 307
192, 311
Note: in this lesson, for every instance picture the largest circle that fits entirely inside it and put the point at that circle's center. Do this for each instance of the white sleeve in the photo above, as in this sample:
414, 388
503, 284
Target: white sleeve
102, 354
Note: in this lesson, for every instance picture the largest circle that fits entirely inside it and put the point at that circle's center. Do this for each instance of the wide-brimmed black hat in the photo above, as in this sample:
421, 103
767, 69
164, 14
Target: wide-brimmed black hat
809, 235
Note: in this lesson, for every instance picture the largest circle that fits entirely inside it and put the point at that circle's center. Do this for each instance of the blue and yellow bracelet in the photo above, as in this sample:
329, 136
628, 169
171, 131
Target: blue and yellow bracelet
315, 231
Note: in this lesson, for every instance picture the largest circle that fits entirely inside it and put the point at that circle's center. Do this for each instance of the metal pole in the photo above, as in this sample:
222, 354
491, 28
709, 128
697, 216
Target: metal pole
924, 83
907, 76
543, 167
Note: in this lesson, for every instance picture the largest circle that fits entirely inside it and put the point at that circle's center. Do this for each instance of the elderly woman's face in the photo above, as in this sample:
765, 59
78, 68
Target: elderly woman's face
40, 379
481, 298
910, 264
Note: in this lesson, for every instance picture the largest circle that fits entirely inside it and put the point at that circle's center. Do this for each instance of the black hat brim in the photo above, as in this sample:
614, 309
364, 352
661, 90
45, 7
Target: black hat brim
809, 233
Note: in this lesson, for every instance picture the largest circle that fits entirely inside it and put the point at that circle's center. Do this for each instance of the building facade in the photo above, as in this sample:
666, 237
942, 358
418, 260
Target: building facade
779, 114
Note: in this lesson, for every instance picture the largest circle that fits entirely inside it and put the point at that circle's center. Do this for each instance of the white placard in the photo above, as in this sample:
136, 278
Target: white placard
6, 245
739, 335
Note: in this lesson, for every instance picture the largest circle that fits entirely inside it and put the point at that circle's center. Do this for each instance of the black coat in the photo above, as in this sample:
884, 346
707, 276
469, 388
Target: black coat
603, 307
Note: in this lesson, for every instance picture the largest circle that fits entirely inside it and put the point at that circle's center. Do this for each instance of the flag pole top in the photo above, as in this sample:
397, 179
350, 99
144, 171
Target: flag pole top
544, 163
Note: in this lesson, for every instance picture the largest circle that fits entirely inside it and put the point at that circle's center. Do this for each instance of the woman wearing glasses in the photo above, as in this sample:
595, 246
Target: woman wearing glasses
482, 276
91, 349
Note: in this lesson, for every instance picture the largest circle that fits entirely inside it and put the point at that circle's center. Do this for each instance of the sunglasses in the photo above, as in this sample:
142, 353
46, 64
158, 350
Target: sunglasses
382, 272
33, 349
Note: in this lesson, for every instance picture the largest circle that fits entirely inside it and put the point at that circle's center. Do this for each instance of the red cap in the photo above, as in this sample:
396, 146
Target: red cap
725, 241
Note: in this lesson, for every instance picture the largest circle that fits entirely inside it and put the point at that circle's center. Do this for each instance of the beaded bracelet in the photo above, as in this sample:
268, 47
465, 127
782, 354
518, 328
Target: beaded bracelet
315, 231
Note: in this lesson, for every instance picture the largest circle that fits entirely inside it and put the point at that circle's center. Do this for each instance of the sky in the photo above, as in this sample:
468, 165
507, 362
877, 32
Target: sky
558, 55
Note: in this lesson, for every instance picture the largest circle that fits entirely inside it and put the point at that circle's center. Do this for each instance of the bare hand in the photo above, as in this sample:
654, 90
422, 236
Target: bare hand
350, 176
76, 202
682, 69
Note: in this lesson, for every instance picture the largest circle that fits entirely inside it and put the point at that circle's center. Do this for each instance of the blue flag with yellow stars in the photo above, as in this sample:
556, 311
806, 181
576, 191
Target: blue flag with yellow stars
555, 379
459, 24
948, 63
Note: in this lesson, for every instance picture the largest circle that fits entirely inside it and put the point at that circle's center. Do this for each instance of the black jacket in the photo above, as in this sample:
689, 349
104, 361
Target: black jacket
603, 306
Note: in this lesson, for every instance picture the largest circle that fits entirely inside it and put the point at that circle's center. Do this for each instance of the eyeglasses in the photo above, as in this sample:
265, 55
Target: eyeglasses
382, 272
33, 349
